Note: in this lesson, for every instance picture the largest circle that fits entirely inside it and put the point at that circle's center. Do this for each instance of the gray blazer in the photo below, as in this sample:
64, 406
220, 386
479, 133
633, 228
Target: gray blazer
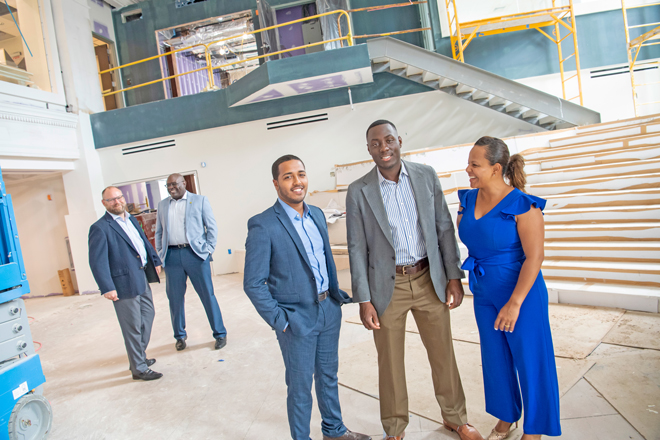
370, 247
201, 228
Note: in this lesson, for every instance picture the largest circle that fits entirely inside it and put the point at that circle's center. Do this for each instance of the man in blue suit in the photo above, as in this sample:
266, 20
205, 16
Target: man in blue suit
186, 234
291, 279
123, 263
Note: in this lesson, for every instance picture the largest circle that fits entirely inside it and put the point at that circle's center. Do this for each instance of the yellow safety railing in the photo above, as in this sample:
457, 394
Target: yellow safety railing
380, 8
462, 34
635, 46
209, 68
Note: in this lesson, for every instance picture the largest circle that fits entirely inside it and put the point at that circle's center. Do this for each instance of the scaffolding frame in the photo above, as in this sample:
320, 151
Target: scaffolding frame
635, 46
462, 34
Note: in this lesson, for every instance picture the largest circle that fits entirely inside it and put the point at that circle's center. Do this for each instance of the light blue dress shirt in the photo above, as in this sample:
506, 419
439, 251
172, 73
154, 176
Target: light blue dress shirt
311, 237
402, 215
133, 234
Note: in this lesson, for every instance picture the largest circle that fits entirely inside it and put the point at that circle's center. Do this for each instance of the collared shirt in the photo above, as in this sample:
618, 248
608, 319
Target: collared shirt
176, 221
311, 237
128, 227
402, 215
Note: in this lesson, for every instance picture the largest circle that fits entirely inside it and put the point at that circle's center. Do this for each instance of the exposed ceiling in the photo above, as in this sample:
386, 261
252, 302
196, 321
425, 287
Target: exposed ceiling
207, 31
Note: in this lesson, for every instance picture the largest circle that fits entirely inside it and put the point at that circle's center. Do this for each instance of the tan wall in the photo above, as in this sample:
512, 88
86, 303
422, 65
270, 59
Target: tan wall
41, 229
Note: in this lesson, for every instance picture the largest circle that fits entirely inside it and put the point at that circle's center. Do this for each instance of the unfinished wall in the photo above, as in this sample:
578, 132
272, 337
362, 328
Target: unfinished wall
41, 228
238, 158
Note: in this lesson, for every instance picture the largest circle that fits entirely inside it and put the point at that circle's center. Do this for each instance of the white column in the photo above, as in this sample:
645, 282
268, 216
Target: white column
82, 186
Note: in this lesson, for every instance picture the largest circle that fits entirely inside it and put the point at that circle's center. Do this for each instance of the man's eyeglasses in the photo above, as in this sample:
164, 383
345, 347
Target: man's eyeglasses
114, 199
173, 184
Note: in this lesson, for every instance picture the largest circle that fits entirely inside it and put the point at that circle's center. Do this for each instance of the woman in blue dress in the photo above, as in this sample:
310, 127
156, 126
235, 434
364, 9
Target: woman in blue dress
502, 227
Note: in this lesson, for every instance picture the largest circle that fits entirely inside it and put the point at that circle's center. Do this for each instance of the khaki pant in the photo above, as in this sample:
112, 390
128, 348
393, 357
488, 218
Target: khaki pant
416, 293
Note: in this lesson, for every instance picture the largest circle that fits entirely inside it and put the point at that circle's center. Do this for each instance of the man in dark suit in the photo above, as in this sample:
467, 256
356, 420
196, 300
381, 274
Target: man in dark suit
123, 263
291, 279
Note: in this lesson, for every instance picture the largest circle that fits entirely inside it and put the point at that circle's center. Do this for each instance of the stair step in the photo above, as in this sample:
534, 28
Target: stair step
591, 147
626, 251
633, 197
634, 273
629, 297
614, 156
603, 214
627, 182
603, 135
604, 126
643, 231
604, 170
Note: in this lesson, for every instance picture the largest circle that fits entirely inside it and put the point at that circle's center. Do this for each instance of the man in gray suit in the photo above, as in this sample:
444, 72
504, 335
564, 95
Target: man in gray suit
404, 257
186, 234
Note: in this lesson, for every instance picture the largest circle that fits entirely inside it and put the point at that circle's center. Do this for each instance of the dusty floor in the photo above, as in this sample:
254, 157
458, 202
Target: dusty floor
609, 371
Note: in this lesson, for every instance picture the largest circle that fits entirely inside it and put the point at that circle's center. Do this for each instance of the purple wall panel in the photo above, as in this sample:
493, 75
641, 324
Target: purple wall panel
292, 35
194, 82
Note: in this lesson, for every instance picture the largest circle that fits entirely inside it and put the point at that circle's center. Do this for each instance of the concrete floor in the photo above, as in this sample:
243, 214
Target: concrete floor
610, 393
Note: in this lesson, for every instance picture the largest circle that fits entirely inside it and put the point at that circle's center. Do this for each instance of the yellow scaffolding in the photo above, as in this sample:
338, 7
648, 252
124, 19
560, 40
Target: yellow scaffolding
635, 46
462, 34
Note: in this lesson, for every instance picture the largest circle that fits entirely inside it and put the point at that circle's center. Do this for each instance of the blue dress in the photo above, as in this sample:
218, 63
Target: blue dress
521, 361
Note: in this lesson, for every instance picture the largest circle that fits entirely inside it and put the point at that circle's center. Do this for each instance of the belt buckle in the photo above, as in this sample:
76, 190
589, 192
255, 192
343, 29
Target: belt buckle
404, 268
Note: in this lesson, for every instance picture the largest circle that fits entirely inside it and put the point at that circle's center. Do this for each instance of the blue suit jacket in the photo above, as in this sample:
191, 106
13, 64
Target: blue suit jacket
201, 228
278, 276
115, 263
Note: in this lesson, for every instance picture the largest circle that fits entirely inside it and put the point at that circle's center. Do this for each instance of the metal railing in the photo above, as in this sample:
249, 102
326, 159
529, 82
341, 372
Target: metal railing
210, 68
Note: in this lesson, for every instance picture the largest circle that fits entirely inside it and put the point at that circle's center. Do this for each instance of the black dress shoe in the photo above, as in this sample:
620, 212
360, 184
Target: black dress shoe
147, 374
150, 362
220, 342
180, 344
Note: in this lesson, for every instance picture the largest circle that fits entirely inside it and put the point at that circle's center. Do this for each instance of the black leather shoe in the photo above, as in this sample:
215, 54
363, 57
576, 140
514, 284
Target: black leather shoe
220, 342
147, 374
150, 362
180, 344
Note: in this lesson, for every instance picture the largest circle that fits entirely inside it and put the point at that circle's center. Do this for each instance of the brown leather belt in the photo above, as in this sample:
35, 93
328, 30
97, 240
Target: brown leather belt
323, 296
412, 269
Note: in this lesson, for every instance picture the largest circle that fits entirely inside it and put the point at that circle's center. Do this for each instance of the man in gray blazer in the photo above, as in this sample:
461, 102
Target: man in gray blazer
404, 257
186, 234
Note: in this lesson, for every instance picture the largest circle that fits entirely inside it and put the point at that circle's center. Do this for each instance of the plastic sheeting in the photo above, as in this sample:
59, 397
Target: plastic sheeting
329, 22
268, 38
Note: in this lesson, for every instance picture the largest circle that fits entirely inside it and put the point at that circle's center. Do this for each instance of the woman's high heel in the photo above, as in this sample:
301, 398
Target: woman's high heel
496, 435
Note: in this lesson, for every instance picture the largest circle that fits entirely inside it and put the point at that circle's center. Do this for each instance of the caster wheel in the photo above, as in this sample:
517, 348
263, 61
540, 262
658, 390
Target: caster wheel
31, 418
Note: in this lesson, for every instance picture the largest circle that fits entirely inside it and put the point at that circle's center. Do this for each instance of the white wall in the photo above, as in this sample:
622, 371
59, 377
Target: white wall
41, 229
237, 177
611, 96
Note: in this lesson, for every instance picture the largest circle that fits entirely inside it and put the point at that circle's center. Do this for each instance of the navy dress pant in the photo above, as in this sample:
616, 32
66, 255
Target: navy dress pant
314, 356
180, 264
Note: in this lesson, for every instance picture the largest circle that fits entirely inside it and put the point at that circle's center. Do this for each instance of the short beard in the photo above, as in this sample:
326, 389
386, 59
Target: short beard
118, 210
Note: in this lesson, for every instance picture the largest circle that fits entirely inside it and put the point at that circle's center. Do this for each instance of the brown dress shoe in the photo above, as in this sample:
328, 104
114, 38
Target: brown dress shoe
349, 435
465, 432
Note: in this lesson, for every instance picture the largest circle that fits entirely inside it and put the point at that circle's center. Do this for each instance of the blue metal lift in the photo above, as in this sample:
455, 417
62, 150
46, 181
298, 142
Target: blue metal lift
24, 412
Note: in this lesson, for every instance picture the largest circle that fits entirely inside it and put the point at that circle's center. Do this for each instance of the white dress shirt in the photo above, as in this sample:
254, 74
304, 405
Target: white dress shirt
128, 227
402, 215
176, 221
